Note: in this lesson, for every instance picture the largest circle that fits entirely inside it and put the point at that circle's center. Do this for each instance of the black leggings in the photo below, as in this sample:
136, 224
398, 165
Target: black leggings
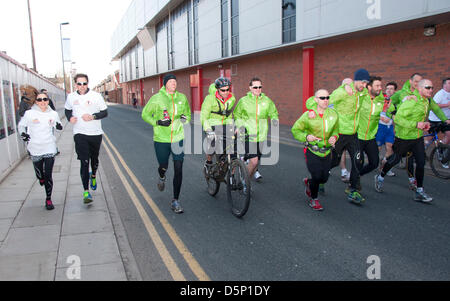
402, 147
320, 171
44, 170
370, 147
88, 149
351, 144
163, 152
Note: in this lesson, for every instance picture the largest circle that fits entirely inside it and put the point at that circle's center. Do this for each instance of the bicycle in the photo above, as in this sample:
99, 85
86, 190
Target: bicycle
233, 172
440, 154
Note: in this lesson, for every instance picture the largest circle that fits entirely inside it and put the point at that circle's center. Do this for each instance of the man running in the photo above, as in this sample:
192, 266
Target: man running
84, 109
167, 111
253, 112
385, 135
371, 108
347, 103
411, 121
320, 133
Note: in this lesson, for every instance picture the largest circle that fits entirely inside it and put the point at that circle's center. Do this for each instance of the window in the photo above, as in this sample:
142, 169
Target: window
234, 27
224, 6
289, 21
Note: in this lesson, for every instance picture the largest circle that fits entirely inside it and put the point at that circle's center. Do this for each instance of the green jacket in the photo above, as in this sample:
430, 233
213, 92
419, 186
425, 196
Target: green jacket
322, 127
398, 96
410, 112
211, 104
176, 105
369, 116
253, 113
348, 107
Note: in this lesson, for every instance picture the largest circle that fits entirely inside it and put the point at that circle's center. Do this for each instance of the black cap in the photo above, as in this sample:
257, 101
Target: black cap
362, 74
168, 77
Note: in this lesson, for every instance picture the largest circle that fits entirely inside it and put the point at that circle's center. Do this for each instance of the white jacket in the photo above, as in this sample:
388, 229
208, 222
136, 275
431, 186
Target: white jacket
39, 125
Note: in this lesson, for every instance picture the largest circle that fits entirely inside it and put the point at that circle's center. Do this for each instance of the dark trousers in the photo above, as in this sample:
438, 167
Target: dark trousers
370, 148
163, 152
319, 168
87, 149
402, 147
351, 144
44, 171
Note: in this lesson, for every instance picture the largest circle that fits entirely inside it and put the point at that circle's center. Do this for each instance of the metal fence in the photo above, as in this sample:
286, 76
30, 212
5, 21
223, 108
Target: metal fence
12, 76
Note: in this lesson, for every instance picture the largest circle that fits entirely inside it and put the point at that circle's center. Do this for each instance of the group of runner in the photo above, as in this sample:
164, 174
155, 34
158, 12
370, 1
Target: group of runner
361, 115
353, 124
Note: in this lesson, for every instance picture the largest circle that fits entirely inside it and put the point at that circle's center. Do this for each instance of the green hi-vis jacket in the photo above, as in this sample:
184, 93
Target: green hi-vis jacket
253, 112
176, 105
211, 104
369, 116
348, 107
323, 127
410, 112
398, 96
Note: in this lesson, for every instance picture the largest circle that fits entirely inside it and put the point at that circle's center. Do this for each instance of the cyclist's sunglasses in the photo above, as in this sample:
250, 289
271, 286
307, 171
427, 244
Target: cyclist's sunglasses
225, 90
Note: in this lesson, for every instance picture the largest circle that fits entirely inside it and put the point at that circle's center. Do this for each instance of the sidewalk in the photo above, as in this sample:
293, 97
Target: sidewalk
36, 244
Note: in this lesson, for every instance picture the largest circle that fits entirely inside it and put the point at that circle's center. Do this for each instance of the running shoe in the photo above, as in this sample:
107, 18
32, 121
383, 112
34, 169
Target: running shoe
378, 184
307, 189
93, 181
176, 207
258, 176
161, 183
413, 184
421, 196
87, 198
49, 205
355, 197
315, 205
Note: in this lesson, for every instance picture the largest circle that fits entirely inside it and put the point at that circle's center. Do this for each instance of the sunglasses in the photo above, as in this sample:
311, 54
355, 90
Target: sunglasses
429, 87
224, 90
256, 87
41, 99
82, 84
324, 97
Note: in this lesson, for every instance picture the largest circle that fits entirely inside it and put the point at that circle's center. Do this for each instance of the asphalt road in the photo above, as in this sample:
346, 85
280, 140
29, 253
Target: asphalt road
280, 238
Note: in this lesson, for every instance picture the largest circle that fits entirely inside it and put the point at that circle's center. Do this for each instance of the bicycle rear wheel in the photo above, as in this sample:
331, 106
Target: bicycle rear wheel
437, 156
238, 188
212, 183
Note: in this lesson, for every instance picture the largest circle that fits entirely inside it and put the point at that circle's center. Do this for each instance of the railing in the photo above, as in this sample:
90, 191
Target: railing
12, 76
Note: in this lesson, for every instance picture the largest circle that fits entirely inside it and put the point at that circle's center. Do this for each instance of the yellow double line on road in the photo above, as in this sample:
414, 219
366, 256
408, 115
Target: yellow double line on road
153, 233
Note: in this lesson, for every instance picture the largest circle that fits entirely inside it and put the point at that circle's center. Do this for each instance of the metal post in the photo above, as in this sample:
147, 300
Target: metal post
32, 40
62, 55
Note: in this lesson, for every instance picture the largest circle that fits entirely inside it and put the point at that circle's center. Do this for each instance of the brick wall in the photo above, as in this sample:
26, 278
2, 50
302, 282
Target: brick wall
393, 56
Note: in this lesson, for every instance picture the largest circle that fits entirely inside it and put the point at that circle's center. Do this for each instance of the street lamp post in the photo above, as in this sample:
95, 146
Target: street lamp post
62, 54
32, 40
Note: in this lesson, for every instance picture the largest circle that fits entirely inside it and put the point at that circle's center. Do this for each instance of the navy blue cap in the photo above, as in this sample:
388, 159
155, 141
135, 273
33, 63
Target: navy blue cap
362, 74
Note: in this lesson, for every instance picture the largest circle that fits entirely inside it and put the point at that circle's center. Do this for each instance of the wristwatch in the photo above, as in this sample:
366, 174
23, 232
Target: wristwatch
94, 117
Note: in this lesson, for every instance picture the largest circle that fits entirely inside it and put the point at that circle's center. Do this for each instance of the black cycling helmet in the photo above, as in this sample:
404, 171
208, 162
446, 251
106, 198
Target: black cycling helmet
222, 82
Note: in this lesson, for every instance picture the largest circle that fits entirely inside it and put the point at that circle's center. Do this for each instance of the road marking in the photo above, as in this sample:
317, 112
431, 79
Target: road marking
187, 255
157, 241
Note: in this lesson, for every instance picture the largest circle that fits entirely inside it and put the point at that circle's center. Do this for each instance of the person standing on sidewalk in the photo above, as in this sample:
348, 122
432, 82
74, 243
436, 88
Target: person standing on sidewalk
347, 103
253, 112
320, 133
167, 111
36, 128
411, 120
84, 109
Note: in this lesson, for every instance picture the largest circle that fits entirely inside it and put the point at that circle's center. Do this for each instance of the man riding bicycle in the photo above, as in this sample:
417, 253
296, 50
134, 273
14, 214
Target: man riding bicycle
217, 115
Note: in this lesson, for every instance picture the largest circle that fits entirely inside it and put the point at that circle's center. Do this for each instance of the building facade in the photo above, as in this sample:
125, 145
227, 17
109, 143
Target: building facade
294, 46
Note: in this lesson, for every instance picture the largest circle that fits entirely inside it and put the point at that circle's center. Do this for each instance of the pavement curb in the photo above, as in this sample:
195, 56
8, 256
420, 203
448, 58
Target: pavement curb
128, 260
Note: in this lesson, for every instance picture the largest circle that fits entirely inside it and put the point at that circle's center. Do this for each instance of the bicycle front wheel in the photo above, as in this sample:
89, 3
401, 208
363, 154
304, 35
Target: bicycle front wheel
238, 188
439, 161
